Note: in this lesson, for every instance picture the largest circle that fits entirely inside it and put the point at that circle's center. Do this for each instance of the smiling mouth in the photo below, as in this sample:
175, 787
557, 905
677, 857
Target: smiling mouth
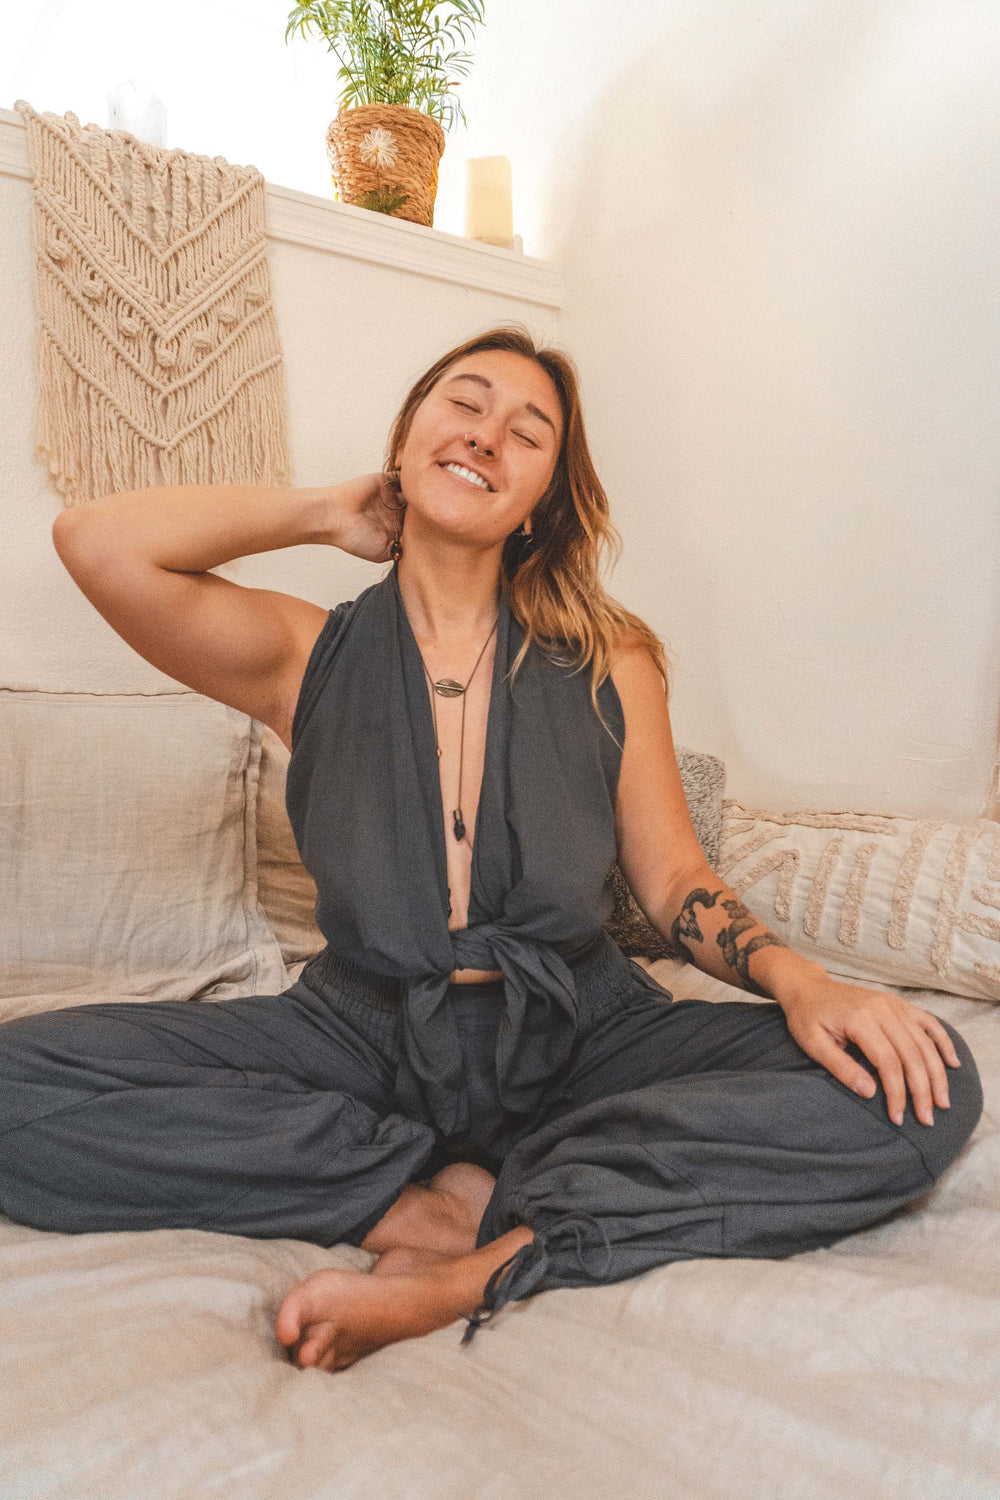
486, 489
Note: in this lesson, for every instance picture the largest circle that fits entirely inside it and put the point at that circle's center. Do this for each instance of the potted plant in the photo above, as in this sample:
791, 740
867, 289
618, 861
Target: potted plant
386, 142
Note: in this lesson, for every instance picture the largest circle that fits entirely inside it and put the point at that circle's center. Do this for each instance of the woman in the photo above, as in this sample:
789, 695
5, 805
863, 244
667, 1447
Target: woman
470, 1081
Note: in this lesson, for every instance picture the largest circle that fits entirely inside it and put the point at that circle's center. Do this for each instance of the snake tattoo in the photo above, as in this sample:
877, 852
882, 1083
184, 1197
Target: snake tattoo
686, 928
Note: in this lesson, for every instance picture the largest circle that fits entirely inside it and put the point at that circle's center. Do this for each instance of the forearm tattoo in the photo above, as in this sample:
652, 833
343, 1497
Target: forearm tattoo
686, 928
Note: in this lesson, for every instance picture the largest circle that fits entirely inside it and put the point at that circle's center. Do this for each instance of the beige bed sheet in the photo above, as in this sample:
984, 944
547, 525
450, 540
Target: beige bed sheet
141, 1365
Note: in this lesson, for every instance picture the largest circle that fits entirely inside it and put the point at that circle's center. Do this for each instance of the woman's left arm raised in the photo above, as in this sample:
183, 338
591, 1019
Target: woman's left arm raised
704, 919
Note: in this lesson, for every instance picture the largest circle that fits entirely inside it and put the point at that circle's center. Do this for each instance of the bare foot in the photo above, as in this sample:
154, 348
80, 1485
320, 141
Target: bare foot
335, 1317
444, 1216
401, 1261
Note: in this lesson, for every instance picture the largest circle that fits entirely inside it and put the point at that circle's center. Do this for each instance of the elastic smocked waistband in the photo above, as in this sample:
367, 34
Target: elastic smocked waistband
602, 975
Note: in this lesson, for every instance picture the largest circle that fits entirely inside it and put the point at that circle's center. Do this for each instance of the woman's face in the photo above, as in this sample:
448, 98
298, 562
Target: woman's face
510, 407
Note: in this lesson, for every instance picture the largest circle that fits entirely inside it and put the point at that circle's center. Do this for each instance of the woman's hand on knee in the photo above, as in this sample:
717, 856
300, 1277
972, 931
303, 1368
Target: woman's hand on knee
905, 1043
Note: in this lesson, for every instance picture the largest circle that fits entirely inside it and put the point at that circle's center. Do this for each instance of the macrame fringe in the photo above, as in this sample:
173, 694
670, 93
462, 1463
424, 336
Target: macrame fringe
158, 355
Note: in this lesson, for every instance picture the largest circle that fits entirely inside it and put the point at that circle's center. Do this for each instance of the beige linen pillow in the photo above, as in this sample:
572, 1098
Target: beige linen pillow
288, 894
128, 851
874, 896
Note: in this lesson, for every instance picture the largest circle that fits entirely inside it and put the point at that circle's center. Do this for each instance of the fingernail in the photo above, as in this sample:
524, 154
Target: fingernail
927, 1116
897, 1119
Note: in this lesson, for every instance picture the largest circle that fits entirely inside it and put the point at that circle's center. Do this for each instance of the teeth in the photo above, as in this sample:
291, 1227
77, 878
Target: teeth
466, 474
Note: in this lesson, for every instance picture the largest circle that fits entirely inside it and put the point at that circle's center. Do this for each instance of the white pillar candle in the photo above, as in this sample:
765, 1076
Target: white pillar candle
489, 214
132, 107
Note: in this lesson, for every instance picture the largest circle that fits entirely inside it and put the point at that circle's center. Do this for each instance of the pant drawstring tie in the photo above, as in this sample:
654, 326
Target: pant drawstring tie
528, 1265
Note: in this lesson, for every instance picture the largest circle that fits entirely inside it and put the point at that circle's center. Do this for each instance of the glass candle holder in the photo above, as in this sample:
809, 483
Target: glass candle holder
489, 215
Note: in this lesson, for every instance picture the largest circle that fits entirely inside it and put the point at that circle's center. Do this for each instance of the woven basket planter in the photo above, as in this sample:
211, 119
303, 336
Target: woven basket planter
416, 145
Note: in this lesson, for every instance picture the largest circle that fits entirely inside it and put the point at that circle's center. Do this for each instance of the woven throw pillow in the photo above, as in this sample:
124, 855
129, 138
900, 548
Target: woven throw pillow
874, 896
288, 894
128, 851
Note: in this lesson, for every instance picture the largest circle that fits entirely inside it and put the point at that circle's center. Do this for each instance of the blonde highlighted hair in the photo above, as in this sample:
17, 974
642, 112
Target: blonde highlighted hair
553, 586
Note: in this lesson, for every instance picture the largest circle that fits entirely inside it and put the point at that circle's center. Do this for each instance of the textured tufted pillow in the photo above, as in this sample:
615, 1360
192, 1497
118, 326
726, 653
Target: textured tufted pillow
128, 862
874, 896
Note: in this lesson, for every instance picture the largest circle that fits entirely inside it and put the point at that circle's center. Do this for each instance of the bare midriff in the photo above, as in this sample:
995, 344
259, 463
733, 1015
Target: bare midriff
471, 976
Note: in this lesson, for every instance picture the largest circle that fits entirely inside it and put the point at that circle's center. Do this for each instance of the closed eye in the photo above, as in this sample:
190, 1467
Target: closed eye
467, 407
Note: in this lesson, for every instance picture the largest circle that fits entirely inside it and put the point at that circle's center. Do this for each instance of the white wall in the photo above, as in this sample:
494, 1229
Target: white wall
778, 227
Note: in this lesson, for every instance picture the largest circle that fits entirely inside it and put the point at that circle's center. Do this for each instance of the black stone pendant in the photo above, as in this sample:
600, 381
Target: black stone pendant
459, 825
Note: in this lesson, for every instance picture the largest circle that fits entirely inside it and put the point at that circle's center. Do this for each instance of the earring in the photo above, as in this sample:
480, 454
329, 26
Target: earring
525, 541
396, 546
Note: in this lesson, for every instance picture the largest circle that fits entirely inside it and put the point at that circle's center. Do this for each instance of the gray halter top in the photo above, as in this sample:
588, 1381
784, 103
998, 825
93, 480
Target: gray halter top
364, 800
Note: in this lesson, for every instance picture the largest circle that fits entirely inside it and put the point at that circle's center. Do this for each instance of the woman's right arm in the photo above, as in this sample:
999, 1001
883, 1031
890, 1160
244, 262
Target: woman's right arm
142, 559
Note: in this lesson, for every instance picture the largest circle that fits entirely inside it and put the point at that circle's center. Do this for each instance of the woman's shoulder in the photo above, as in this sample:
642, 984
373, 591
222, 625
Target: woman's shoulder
631, 654
627, 643
638, 678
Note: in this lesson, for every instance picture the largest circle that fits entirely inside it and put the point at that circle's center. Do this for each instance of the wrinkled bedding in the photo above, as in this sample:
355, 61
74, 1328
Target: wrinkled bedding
145, 1364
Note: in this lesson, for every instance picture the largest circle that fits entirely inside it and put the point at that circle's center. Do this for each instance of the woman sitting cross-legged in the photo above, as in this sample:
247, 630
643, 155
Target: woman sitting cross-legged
470, 1081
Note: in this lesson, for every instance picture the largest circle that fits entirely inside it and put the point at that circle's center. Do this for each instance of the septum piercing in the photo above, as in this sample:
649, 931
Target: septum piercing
396, 550
469, 438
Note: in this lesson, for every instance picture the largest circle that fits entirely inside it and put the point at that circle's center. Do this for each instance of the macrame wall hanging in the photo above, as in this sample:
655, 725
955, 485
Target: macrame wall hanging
158, 356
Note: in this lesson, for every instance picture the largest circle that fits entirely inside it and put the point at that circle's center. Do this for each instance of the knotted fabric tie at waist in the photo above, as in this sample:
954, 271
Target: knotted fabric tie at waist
536, 1035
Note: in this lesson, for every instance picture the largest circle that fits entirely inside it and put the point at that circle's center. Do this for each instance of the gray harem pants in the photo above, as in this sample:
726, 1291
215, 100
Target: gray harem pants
675, 1131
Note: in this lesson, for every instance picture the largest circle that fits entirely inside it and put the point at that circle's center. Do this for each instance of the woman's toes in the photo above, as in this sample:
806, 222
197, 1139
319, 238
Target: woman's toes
298, 1316
317, 1345
288, 1323
332, 1361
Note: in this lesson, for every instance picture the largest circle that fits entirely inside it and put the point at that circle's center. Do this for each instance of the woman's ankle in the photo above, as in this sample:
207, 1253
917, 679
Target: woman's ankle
467, 1275
443, 1216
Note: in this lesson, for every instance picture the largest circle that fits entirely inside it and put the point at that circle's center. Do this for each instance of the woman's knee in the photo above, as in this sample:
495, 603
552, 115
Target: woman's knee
942, 1142
24, 1045
42, 1030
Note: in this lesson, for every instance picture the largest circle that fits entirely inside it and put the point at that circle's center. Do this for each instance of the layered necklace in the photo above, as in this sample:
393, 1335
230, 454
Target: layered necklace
449, 688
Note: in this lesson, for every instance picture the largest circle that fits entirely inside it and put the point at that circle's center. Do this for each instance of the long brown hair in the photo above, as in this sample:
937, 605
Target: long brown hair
553, 586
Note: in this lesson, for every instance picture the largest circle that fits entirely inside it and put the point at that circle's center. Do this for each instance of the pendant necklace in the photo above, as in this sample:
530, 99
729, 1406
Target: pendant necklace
449, 688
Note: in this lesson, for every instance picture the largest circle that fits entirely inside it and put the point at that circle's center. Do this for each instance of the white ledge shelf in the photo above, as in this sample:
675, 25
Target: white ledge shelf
296, 218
